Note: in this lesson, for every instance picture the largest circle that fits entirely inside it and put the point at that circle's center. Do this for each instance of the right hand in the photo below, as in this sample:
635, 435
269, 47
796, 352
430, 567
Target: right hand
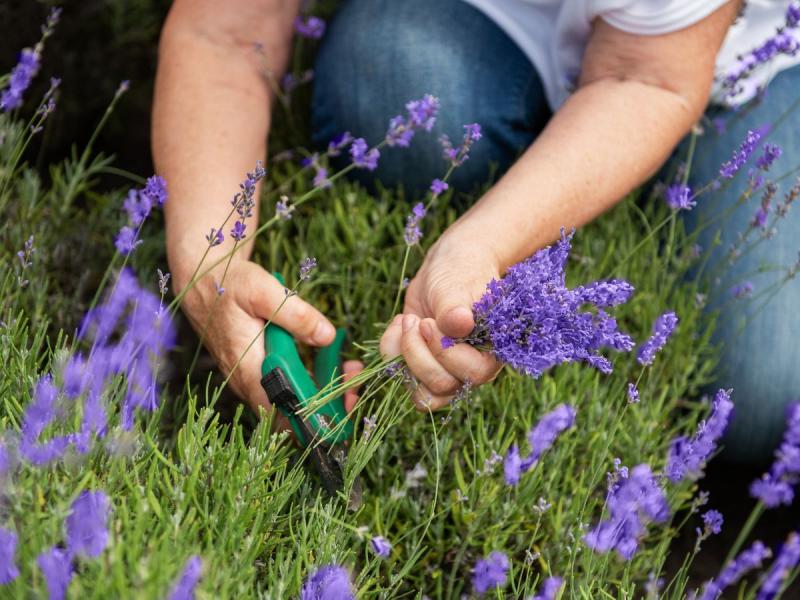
250, 299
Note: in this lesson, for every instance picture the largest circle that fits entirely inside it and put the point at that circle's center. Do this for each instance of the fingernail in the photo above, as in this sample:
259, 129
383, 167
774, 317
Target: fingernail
409, 321
323, 332
425, 330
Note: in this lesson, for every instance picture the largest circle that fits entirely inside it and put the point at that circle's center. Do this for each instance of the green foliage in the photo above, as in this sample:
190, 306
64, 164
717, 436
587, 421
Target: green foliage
243, 501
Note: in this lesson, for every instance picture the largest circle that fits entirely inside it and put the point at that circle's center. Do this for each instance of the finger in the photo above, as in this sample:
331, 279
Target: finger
462, 360
350, 369
451, 305
266, 298
421, 362
425, 401
390, 340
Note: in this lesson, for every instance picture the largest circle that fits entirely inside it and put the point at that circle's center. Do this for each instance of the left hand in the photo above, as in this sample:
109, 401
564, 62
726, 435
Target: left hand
439, 302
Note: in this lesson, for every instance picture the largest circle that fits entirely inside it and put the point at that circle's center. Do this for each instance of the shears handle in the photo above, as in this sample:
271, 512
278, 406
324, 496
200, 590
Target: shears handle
329, 422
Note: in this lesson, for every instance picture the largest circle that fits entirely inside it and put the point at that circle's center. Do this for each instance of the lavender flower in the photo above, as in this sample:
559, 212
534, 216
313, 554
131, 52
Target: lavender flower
550, 588
490, 572
782, 566
772, 152
438, 187
330, 582
126, 240
381, 546
663, 328
775, 487
19, 80
447, 342
412, 233
633, 503
742, 290
540, 438
338, 143
633, 393
183, 589
56, 566
311, 27
740, 156
38, 415
458, 155
734, 570
679, 197
688, 456
421, 114
137, 205
712, 521
362, 156
784, 41
215, 237
307, 265
283, 210
8, 548
532, 321
238, 231
87, 524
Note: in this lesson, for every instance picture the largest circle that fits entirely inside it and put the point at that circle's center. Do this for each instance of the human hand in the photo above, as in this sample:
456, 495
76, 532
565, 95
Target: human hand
439, 302
231, 321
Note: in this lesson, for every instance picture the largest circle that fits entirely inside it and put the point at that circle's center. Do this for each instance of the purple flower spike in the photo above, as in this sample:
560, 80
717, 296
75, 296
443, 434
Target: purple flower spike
679, 197
307, 265
238, 231
456, 156
38, 415
729, 168
782, 566
633, 502
412, 233
87, 524
126, 240
438, 187
633, 393
447, 342
776, 486
56, 566
550, 588
733, 571
8, 549
19, 80
183, 589
687, 457
490, 572
663, 328
381, 546
540, 438
742, 290
311, 27
362, 156
772, 152
330, 582
712, 521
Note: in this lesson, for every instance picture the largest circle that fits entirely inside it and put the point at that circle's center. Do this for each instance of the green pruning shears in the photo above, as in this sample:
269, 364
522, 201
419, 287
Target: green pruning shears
290, 387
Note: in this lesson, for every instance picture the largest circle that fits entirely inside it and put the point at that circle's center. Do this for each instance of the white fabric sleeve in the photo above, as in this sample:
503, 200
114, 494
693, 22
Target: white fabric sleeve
654, 17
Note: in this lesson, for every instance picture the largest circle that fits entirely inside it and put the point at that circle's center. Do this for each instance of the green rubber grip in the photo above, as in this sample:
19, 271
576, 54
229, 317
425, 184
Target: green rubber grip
329, 422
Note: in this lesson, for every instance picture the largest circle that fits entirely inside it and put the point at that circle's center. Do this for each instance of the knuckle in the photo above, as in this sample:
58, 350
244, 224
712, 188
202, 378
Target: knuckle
441, 384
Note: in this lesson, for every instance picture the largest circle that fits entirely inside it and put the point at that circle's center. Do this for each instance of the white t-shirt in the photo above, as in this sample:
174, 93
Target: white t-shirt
553, 34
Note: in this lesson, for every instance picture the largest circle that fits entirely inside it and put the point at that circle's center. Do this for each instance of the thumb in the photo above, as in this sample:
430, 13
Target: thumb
267, 300
452, 307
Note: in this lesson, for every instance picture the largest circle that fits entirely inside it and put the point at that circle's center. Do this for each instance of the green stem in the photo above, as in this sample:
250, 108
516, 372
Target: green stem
755, 515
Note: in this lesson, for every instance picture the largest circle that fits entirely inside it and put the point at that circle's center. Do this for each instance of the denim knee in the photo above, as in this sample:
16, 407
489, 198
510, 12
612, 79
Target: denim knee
758, 336
379, 54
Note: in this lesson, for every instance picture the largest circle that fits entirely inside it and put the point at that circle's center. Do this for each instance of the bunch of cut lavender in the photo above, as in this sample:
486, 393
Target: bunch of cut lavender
532, 321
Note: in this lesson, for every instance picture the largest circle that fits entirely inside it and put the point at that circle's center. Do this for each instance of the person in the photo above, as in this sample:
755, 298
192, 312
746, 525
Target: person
580, 102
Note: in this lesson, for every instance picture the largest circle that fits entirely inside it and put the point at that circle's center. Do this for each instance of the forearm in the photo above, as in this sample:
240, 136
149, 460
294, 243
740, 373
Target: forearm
609, 137
210, 122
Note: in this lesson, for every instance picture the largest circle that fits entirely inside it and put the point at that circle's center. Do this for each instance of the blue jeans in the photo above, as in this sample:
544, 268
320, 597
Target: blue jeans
378, 54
